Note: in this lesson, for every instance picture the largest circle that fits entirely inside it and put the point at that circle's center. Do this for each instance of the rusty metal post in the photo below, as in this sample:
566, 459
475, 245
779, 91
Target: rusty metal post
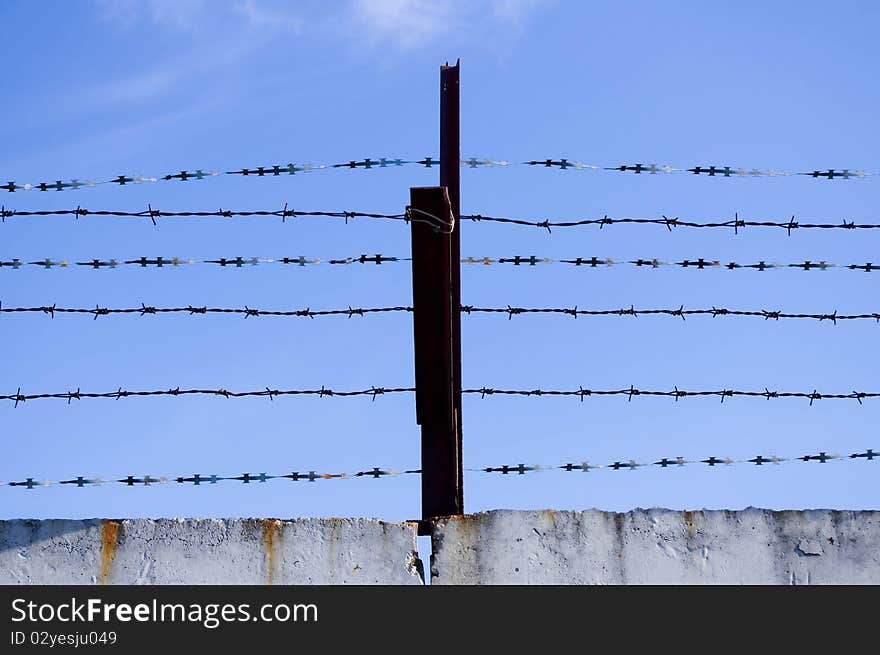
450, 175
433, 311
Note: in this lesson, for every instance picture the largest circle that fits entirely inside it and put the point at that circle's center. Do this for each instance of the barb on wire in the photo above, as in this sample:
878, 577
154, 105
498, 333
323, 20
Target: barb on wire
584, 466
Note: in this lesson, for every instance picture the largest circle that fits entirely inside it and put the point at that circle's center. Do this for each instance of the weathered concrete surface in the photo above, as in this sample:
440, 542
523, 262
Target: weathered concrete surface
658, 546
208, 551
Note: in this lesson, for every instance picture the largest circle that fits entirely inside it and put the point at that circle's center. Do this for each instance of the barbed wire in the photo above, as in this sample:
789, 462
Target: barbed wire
265, 392
191, 310
654, 263
530, 261
197, 479
376, 473
365, 164
152, 214
708, 171
669, 223
510, 311
823, 457
680, 312
176, 262
676, 393
483, 392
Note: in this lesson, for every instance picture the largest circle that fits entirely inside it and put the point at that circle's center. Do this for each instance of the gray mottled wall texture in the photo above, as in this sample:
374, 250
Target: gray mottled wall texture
654, 546
659, 546
208, 551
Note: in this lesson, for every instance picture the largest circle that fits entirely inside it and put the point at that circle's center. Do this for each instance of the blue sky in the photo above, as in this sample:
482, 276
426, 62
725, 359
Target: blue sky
98, 89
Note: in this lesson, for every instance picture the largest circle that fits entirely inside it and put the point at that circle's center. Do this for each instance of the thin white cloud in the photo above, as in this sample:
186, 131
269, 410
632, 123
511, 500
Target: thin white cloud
259, 16
406, 24
202, 15
184, 15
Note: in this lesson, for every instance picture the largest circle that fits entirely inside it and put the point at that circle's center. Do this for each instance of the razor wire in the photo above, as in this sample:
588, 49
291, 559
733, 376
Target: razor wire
368, 163
376, 473
373, 392
530, 261
584, 466
198, 479
547, 224
510, 311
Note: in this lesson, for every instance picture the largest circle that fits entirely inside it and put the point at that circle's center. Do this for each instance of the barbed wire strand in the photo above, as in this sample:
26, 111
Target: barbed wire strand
823, 457
510, 311
483, 392
197, 479
376, 473
529, 261
669, 223
291, 169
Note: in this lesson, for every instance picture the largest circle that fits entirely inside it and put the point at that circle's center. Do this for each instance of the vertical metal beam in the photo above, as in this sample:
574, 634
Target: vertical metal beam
450, 176
434, 362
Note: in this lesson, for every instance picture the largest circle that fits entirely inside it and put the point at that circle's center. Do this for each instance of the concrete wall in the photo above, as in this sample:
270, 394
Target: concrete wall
502, 547
208, 551
658, 546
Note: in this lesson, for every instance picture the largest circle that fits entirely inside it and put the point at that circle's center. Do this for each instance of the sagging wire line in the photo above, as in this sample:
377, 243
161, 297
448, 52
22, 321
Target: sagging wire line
669, 223
529, 261
584, 466
483, 392
510, 311
198, 479
291, 169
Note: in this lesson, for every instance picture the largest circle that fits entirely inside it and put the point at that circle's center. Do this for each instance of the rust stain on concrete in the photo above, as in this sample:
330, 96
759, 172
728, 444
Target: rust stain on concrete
109, 540
270, 536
